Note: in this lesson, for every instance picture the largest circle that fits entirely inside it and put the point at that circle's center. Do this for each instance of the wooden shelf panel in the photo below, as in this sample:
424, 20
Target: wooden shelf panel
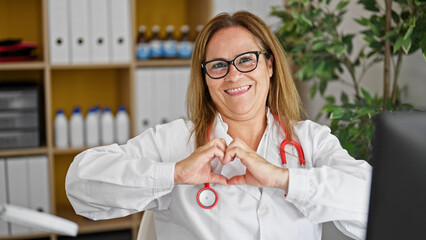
163, 62
90, 66
66, 151
89, 226
23, 152
36, 65
26, 236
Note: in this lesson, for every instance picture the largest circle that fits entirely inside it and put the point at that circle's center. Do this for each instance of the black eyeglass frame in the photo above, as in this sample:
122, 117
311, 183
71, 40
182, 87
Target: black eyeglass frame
257, 53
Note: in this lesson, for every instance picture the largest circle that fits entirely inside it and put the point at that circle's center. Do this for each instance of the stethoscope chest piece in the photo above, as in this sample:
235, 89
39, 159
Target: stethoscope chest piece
207, 197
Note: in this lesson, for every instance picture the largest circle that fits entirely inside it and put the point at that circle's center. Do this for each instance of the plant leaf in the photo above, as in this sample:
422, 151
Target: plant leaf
406, 45
408, 33
342, 5
398, 44
337, 113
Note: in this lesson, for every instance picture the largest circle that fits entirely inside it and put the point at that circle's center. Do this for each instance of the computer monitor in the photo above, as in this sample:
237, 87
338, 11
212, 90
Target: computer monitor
398, 190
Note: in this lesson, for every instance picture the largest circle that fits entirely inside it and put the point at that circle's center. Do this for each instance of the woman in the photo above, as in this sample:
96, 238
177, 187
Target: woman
242, 104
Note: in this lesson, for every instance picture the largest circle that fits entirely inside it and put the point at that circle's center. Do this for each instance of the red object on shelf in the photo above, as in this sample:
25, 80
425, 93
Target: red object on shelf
21, 51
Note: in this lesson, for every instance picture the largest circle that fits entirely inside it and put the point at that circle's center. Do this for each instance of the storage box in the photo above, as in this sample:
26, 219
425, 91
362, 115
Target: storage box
19, 139
18, 120
24, 97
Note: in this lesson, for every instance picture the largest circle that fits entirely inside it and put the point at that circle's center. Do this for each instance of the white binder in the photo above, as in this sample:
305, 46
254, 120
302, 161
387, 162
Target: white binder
144, 92
38, 178
162, 100
98, 34
79, 22
4, 231
179, 86
17, 179
59, 45
121, 40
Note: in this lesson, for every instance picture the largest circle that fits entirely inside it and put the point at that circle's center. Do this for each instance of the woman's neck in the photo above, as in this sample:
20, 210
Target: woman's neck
250, 130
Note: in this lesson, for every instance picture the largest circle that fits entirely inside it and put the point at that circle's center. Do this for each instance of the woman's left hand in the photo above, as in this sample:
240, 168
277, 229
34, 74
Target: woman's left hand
259, 172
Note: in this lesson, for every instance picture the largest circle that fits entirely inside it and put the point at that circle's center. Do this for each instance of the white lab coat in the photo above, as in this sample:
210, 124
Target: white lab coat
114, 181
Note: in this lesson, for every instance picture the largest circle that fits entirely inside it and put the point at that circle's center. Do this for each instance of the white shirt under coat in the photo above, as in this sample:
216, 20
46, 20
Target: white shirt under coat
117, 180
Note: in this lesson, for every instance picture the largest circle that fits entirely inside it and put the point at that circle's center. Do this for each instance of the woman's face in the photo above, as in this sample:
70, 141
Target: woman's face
238, 96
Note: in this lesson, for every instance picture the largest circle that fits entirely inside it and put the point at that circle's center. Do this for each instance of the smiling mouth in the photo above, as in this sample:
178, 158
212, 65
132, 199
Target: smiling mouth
238, 90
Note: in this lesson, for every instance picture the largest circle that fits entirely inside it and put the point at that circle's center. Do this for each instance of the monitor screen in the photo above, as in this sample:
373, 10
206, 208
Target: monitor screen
398, 189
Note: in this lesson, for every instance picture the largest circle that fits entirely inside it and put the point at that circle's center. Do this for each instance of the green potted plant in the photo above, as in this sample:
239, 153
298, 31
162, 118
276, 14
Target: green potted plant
321, 53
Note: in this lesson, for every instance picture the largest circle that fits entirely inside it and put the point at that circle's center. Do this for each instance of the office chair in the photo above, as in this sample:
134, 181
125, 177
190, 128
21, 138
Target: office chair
147, 227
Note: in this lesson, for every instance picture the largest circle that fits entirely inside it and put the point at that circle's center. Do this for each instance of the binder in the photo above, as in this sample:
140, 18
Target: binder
17, 179
4, 230
121, 40
59, 45
79, 22
144, 92
181, 86
162, 100
38, 179
98, 34
220, 6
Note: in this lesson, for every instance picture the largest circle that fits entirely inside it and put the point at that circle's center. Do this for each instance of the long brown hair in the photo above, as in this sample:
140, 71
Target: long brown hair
283, 98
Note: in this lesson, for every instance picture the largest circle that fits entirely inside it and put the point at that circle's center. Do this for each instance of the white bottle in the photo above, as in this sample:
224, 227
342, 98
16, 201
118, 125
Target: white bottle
61, 129
122, 125
77, 128
107, 127
92, 128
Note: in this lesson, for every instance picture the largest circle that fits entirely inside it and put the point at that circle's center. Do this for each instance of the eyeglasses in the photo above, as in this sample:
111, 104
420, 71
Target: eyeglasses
219, 68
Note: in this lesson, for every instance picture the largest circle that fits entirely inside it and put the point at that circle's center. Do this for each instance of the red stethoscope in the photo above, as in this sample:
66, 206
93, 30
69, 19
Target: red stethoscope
207, 196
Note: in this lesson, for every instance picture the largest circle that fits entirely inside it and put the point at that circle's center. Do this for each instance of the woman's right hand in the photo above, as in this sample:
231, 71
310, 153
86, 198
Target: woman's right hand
196, 168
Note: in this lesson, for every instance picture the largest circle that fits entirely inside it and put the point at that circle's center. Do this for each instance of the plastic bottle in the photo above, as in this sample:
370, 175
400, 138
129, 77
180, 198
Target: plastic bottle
170, 44
107, 127
156, 44
61, 129
77, 128
185, 46
122, 125
142, 48
92, 128
198, 30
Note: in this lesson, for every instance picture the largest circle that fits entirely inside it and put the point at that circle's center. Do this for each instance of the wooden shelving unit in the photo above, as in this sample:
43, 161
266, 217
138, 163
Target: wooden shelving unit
65, 86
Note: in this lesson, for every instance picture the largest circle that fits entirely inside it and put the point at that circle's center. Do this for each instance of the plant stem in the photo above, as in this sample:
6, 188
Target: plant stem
349, 66
396, 72
386, 74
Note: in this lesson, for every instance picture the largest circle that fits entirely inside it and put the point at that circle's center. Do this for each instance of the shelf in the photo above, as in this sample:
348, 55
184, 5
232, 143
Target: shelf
163, 62
26, 236
86, 225
36, 65
23, 152
66, 151
90, 66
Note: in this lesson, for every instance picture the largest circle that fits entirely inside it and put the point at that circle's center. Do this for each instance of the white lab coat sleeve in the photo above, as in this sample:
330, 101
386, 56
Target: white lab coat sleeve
336, 188
114, 181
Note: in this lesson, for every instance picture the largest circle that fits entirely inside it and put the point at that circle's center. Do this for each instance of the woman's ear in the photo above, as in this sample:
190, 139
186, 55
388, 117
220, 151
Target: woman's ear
271, 65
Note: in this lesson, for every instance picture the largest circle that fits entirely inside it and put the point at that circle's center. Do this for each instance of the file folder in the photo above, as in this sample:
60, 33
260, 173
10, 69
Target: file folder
38, 177
144, 92
98, 34
59, 45
4, 230
17, 179
162, 100
181, 83
121, 40
79, 22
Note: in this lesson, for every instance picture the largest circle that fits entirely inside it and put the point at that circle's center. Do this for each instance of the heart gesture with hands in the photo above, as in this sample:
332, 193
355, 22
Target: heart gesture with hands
196, 168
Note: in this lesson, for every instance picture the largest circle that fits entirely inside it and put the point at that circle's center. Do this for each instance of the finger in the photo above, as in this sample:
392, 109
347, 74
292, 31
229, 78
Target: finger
218, 179
220, 143
238, 180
